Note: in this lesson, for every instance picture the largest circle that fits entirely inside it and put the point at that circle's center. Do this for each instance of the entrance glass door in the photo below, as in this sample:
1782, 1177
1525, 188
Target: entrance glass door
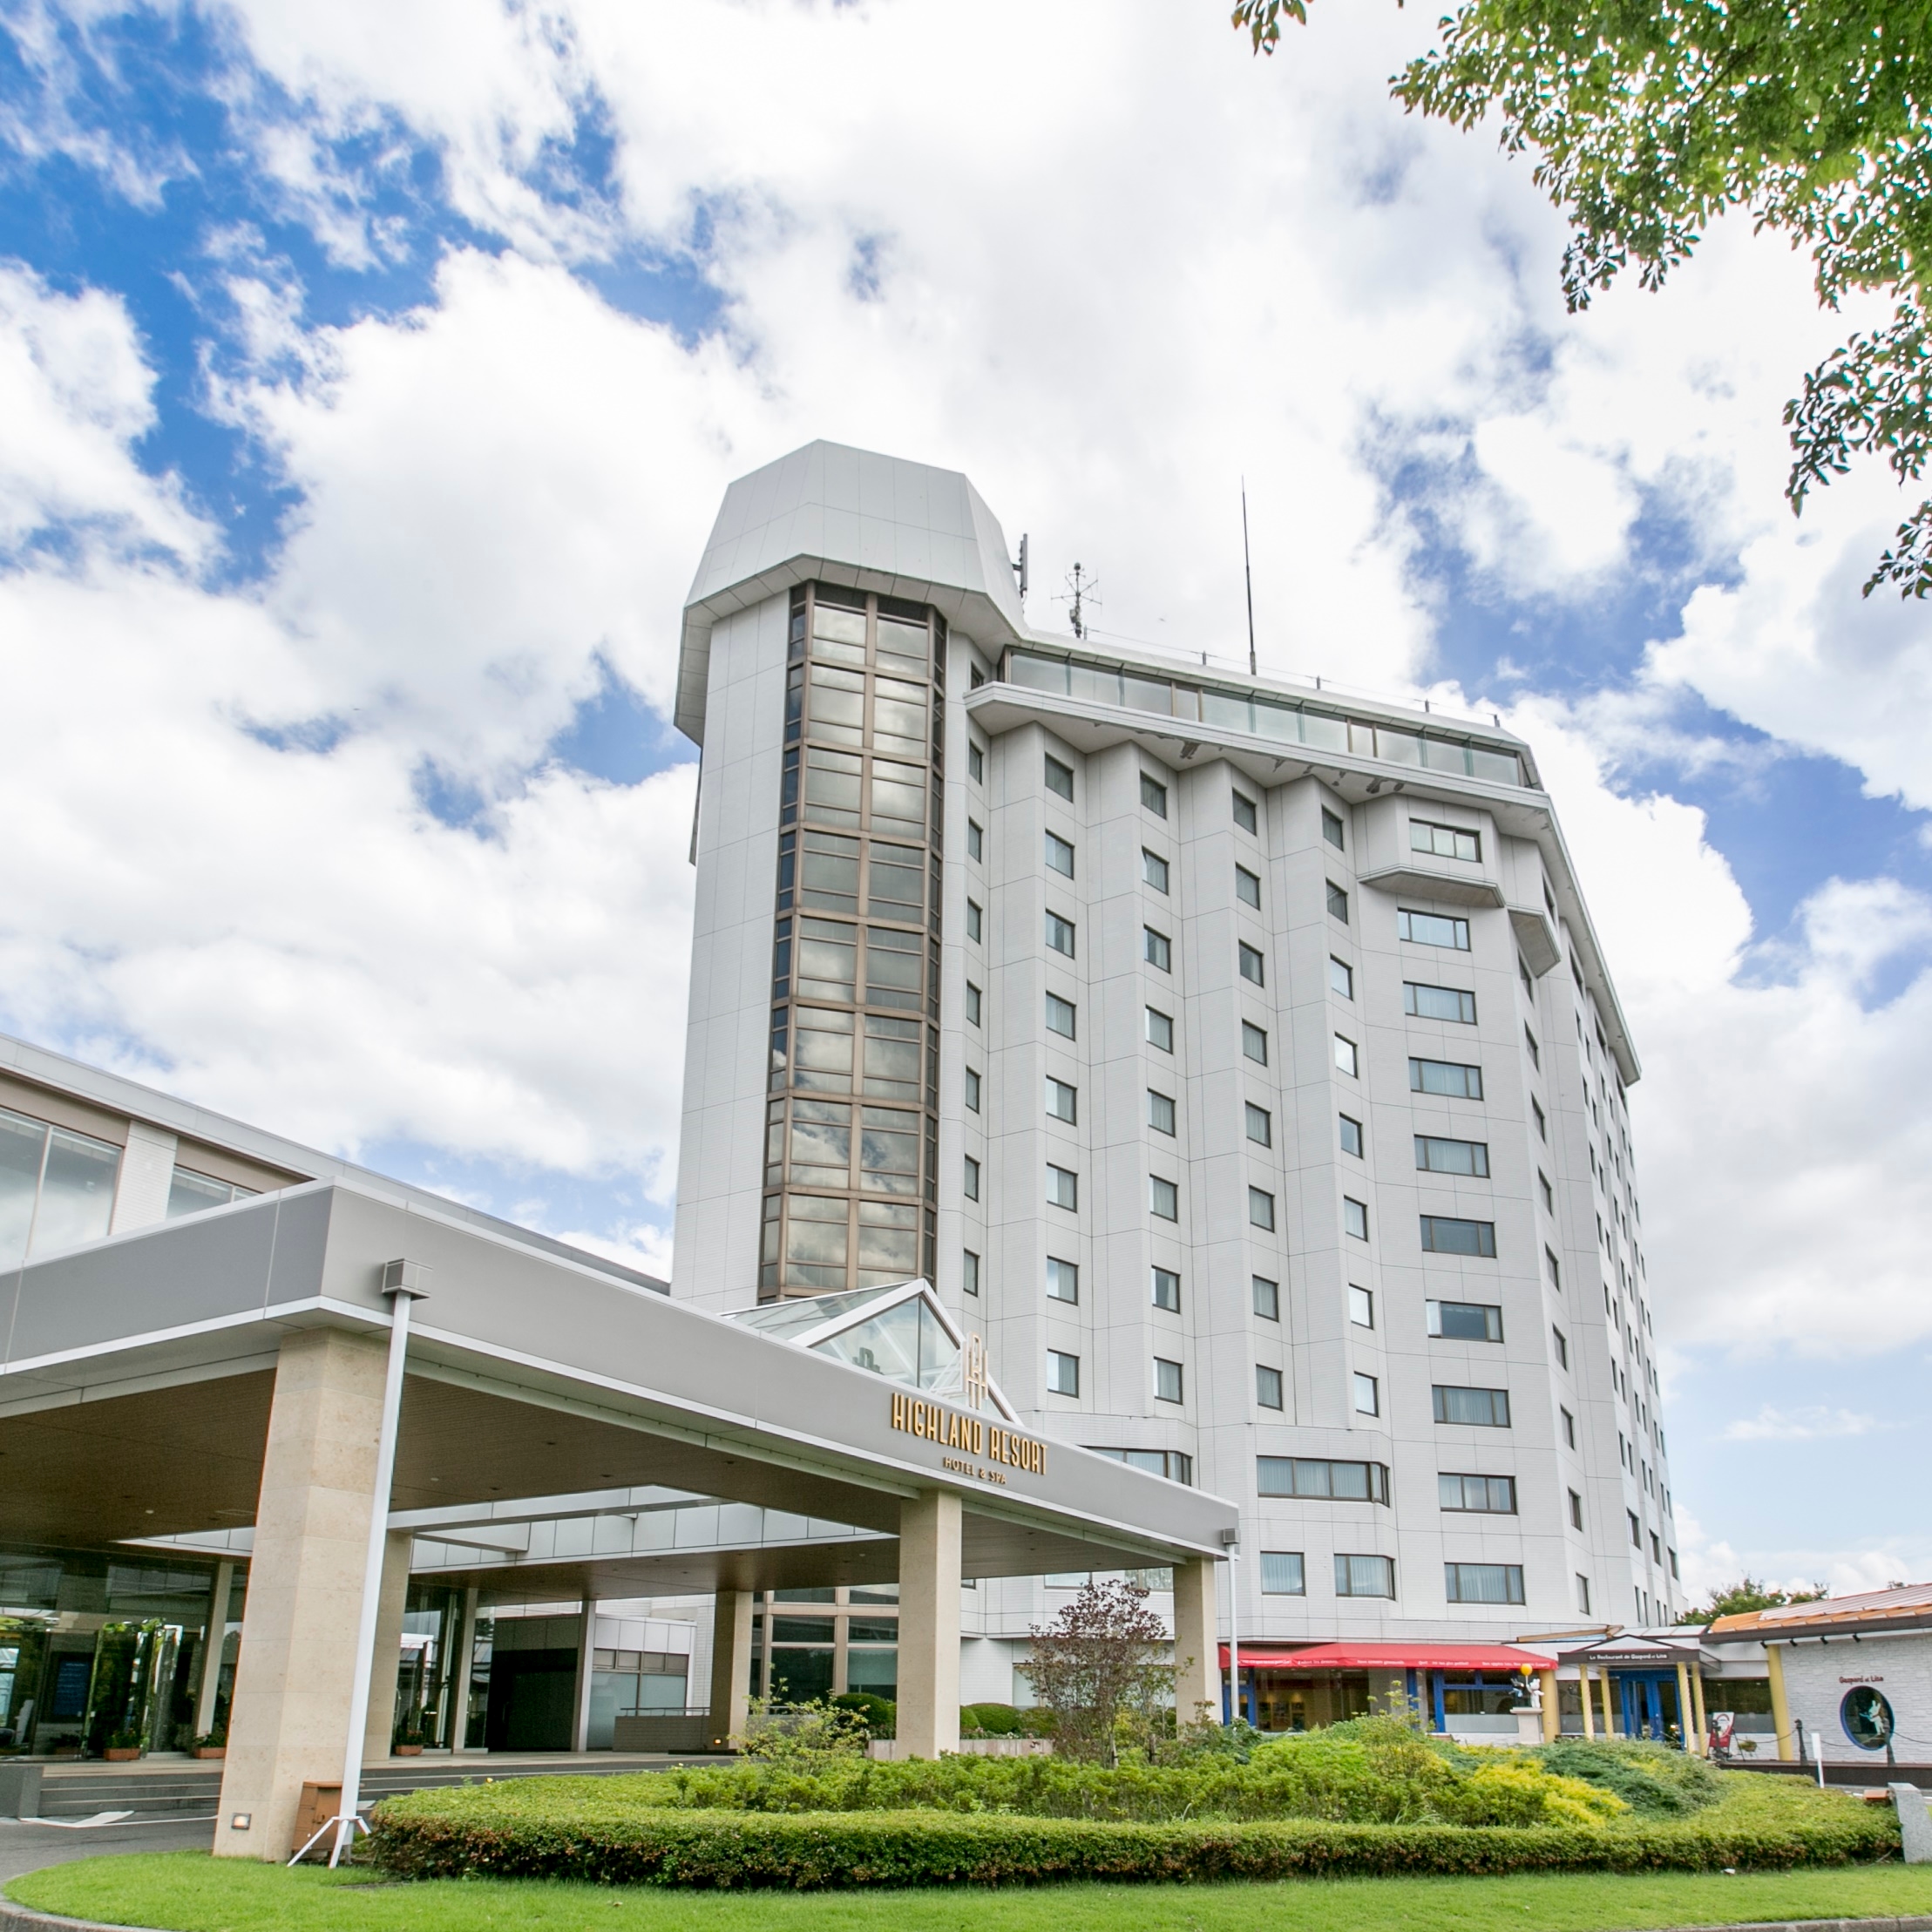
1648, 1703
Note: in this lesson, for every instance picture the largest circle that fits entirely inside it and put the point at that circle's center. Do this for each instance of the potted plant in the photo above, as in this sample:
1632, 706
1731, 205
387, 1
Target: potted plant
409, 1744
122, 1746
211, 1744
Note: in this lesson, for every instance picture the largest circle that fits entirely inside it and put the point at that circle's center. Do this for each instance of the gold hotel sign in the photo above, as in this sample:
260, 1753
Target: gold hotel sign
973, 1436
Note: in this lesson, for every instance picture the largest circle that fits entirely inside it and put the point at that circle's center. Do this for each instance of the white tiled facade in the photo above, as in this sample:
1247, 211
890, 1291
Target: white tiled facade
1321, 982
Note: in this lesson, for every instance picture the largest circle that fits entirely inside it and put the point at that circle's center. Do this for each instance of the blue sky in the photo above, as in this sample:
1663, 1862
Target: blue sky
378, 380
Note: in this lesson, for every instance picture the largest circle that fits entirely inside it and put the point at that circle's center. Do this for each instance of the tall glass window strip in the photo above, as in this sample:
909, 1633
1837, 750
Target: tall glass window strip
57, 1188
1318, 1480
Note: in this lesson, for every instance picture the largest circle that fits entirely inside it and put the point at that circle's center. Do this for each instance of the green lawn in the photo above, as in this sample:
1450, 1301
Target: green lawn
190, 1892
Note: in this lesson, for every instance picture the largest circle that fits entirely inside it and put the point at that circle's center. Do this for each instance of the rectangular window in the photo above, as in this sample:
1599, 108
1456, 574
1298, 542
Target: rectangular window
1153, 869
1160, 1112
1267, 1387
1432, 929
1166, 1290
1535, 1053
1543, 1125
1063, 1373
1575, 1510
976, 839
1062, 1100
1345, 1058
1261, 1210
1062, 1187
975, 922
1060, 1016
1244, 813
1361, 1307
1267, 1299
1365, 1575
1465, 1321
976, 763
1254, 1042
1261, 1126
969, 1271
972, 1091
1342, 978
1442, 1235
1059, 935
1355, 1218
1555, 1268
1155, 950
1154, 796
1321, 1481
1483, 1583
971, 1004
1549, 1199
1283, 1573
1433, 1155
1331, 828
1478, 1495
1637, 1533
1062, 1280
1160, 1031
1570, 1429
1337, 903
1060, 855
972, 1178
1166, 1379
1449, 1078
1482, 1408
1425, 1002
1351, 1136
1368, 1395
1444, 841
1164, 1198
1583, 1593
1247, 887
1059, 778
1252, 968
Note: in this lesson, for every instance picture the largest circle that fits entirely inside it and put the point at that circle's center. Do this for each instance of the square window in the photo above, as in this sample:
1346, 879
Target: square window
971, 1004
972, 1178
1062, 1280
1261, 1126
1345, 1058
1361, 1307
1063, 1373
1254, 1042
1059, 778
1153, 795
1155, 950
1244, 813
1570, 1429
1247, 887
975, 927
1060, 1016
1351, 1136
1252, 968
1267, 1386
1060, 855
976, 839
1160, 1031
1355, 1218
1342, 978
976, 762
1368, 1395
1337, 903
1153, 869
1167, 1380
1331, 828
1060, 934
1166, 1290
972, 1091
1062, 1187
1062, 1100
1267, 1299
1261, 1210
1160, 1112
1164, 1198
969, 1271
1283, 1573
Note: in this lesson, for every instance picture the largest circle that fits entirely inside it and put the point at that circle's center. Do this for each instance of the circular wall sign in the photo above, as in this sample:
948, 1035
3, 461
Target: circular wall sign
1866, 1717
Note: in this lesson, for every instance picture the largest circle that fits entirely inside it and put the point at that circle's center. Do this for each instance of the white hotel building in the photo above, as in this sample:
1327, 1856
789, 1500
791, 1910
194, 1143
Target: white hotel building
1238, 1058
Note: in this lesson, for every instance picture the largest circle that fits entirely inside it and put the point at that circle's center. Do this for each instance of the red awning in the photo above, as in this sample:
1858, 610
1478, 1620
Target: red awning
1391, 1657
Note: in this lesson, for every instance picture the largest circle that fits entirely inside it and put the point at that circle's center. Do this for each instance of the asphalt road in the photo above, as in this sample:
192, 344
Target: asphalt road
25, 1846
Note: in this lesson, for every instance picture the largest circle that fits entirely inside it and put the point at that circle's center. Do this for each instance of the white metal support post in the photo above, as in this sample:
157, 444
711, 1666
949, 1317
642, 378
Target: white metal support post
1232, 1539
402, 1283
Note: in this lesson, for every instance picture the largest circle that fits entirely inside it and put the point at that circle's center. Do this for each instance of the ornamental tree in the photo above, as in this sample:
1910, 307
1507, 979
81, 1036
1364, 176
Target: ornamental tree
1104, 1657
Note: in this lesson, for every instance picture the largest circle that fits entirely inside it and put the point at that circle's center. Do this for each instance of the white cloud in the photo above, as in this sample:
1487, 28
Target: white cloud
1771, 1424
1711, 1564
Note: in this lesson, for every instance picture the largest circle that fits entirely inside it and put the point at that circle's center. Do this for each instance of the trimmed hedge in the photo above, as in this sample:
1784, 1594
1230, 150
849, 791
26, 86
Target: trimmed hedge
415, 1837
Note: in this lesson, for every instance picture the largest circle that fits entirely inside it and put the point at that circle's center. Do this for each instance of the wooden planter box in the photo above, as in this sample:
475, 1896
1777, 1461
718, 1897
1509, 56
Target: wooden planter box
211, 1751
408, 1751
121, 1754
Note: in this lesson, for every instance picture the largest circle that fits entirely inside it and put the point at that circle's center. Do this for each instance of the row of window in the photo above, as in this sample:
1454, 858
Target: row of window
1284, 1573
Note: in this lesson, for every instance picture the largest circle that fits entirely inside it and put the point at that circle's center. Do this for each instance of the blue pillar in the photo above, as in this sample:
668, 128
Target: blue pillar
1410, 1695
1441, 1715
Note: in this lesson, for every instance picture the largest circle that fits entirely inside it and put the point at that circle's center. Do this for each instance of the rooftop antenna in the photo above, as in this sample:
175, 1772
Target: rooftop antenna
1247, 570
1081, 587
1020, 566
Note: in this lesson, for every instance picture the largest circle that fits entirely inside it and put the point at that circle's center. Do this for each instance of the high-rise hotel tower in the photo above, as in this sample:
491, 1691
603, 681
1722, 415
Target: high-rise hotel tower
1238, 1059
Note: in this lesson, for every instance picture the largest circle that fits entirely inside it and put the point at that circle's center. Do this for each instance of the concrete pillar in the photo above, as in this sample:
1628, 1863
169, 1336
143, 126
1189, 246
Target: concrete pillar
1686, 1718
211, 1645
1197, 1660
379, 1735
1780, 1704
929, 1624
587, 1665
460, 1664
289, 1723
1553, 1711
1704, 1722
1589, 1715
730, 1667
1609, 1723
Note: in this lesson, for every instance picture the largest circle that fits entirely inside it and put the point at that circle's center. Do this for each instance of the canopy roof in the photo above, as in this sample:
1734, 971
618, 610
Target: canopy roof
1424, 1656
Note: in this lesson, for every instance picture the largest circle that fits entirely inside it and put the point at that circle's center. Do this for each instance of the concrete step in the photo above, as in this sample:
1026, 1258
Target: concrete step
149, 1793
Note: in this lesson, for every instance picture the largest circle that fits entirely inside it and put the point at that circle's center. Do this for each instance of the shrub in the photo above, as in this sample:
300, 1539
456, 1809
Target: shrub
879, 1715
1654, 1780
989, 1720
806, 1734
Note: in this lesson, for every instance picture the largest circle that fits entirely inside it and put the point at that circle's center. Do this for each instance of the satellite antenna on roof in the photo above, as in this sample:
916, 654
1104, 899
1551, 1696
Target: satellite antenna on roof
1247, 570
1020, 566
1081, 590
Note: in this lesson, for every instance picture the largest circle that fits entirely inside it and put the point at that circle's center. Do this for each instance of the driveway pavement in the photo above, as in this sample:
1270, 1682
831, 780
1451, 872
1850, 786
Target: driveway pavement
26, 1846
